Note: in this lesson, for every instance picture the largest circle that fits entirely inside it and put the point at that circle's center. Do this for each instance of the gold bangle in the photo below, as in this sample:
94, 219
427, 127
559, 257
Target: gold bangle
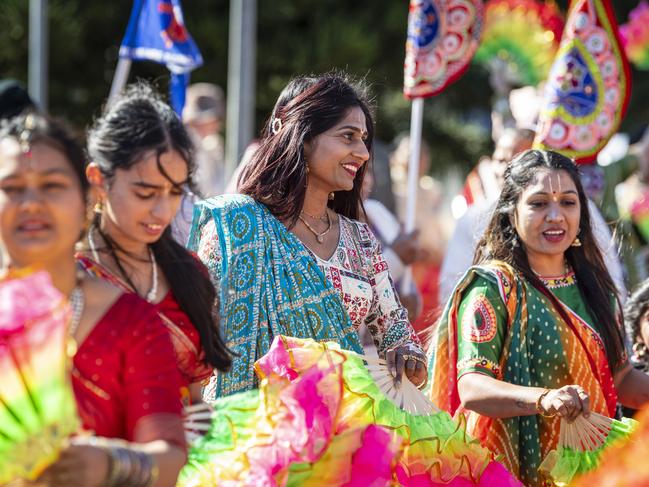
539, 408
416, 358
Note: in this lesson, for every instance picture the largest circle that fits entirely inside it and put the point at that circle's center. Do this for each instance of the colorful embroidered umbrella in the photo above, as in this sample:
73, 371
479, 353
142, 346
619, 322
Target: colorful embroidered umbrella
37, 407
522, 37
635, 36
587, 93
443, 36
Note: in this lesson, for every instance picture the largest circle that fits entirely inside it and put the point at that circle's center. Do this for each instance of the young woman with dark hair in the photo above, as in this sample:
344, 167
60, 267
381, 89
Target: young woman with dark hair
124, 378
533, 332
289, 256
636, 319
140, 161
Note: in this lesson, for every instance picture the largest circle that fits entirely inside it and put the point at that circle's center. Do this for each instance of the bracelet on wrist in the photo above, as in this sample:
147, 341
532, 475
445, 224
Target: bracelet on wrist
539, 407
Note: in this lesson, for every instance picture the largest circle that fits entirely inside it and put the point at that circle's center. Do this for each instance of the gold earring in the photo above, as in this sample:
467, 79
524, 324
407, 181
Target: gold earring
98, 208
576, 242
331, 196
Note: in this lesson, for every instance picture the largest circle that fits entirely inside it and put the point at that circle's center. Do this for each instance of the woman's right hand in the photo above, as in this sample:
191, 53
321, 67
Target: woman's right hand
567, 402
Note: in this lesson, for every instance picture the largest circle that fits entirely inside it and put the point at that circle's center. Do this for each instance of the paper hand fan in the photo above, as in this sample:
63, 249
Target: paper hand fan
196, 421
580, 445
405, 395
37, 407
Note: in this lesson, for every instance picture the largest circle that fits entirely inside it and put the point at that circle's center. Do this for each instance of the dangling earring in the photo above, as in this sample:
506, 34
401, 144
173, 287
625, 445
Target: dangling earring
98, 208
576, 242
331, 196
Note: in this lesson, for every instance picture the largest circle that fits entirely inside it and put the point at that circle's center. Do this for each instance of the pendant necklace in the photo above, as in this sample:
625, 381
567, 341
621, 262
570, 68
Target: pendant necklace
318, 235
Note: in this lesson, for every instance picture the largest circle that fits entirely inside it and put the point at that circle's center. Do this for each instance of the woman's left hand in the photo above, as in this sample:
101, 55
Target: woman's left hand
412, 362
78, 466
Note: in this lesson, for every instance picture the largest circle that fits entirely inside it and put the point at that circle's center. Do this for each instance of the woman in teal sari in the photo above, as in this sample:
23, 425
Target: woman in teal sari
288, 256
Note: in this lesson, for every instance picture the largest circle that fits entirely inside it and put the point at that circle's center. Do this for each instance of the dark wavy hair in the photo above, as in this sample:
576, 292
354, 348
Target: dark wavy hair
137, 123
307, 107
32, 128
501, 242
635, 307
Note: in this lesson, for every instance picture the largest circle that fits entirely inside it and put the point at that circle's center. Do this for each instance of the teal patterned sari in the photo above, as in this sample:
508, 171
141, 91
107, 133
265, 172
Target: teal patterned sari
268, 284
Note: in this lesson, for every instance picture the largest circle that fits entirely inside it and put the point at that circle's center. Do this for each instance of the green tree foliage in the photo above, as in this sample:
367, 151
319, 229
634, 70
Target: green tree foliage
295, 37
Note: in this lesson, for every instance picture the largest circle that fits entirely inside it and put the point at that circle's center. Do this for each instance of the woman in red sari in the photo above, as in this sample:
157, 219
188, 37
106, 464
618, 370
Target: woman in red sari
142, 163
124, 378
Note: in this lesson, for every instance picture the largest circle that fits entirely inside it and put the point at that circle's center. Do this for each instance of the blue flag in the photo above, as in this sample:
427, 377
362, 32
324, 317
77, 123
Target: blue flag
156, 32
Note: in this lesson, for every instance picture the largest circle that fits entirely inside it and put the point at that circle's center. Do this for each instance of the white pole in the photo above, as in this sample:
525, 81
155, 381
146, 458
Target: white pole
416, 119
119, 78
38, 53
242, 42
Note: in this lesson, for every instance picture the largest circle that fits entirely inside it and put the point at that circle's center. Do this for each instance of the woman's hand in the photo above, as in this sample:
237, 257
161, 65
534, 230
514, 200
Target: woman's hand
567, 402
407, 359
78, 466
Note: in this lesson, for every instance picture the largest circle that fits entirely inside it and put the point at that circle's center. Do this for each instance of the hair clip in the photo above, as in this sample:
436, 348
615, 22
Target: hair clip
276, 126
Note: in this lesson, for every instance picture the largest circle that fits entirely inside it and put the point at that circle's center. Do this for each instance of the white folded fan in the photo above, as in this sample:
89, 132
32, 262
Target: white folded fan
196, 421
585, 434
404, 395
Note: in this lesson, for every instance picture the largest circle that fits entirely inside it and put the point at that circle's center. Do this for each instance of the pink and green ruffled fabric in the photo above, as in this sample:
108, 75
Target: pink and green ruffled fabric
319, 419
37, 406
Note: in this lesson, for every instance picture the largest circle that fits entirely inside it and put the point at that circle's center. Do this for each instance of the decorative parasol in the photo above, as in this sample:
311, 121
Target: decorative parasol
443, 36
635, 36
521, 37
37, 406
580, 446
587, 93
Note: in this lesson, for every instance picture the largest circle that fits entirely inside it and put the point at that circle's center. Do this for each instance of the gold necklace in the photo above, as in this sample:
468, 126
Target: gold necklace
321, 217
319, 236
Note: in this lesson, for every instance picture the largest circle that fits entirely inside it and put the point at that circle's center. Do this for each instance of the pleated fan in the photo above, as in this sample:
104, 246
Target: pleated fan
37, 407
580, 446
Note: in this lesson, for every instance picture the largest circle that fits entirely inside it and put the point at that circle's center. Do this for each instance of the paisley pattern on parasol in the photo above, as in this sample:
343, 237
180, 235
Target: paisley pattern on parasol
587, 93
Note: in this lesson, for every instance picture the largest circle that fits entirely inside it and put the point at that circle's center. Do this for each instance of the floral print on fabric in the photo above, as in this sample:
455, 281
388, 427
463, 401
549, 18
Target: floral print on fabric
360, 274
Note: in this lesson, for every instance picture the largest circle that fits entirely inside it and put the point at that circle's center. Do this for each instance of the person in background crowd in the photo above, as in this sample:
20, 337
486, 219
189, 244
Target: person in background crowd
204, 115
400, 249
627, 206
428, 220
142, 160
539, 303
124, 377
470, 226
636, 320
289, 254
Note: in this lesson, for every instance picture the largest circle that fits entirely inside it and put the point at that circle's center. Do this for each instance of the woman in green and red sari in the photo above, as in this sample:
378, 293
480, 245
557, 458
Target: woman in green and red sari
532, 332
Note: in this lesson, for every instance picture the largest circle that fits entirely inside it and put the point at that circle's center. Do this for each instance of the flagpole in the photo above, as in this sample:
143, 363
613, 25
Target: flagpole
120, 78
416, 120
241, 81
38, 33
